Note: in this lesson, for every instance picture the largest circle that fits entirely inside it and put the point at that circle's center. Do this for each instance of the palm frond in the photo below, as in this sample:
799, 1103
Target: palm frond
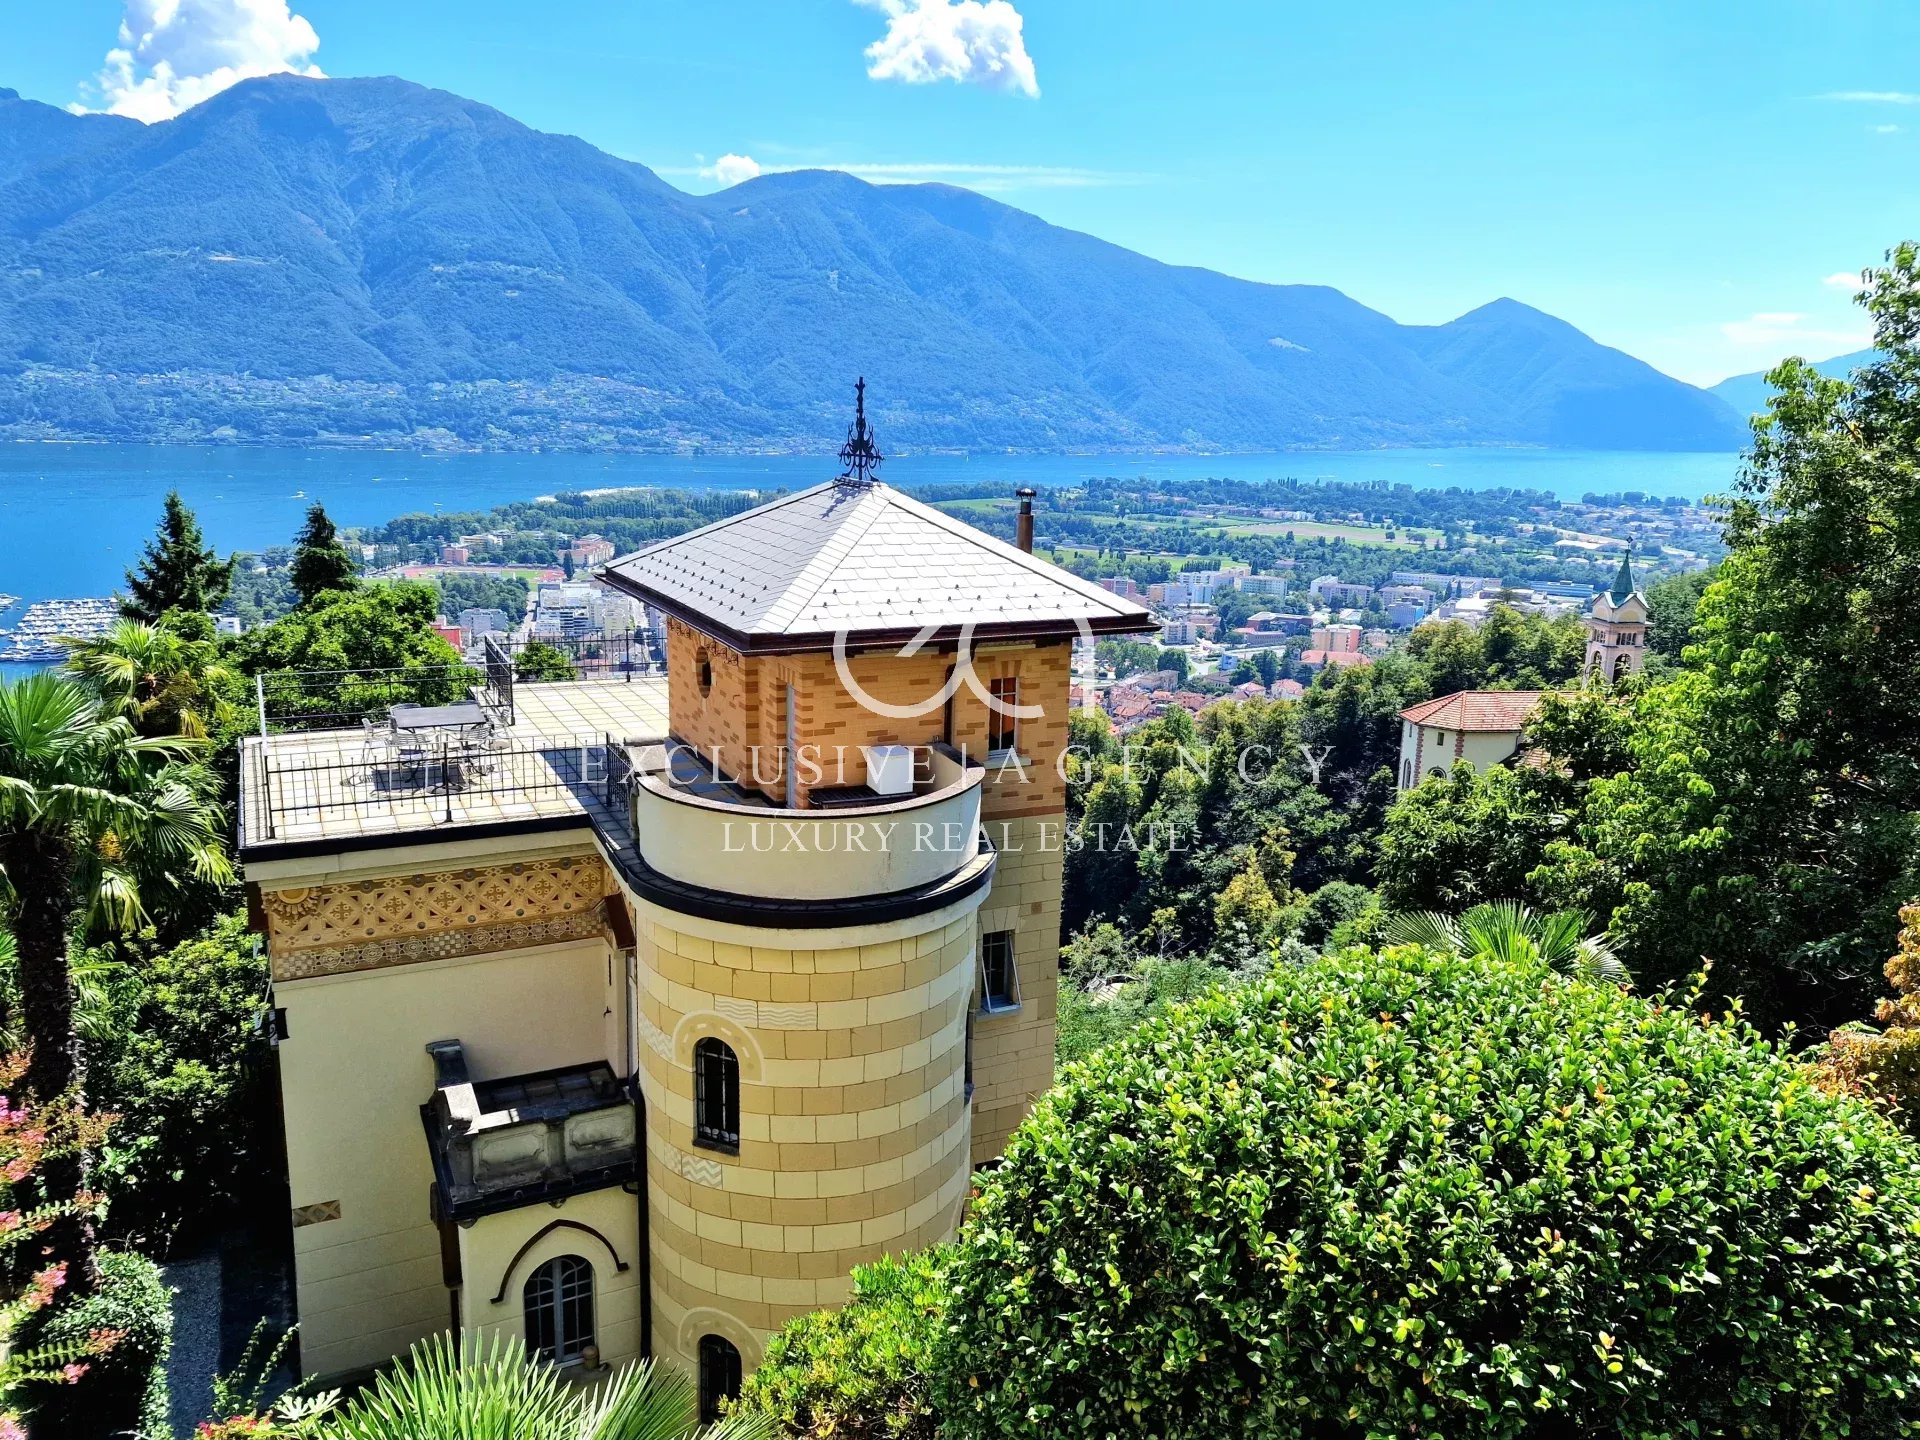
1425, 927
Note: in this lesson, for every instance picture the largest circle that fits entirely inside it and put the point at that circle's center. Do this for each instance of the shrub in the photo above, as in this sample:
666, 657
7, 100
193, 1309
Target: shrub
859, 1373
1883, 1065
1411, 1194
126, 1388
182, 1065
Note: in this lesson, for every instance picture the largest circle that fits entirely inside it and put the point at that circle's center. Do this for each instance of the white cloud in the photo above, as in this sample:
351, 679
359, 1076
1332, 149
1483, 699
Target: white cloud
976, 42
731, 169
1842, 280
1874, 97
1886, 129
172, 54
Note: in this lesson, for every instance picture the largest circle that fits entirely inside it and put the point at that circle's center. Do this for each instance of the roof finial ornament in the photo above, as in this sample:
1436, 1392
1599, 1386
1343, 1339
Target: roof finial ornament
858, 454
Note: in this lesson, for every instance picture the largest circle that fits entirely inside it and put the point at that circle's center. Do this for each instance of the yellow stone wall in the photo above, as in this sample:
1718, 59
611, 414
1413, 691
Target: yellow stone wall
498, 1252
1013, 1052
855, 1128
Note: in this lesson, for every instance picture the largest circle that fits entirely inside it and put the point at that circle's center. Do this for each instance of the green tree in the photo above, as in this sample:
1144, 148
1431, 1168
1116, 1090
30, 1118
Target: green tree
1767, 819
178, 570
372, 627
1671, 603
161, 679
96, 824
541, 661
182, 1065
320, 562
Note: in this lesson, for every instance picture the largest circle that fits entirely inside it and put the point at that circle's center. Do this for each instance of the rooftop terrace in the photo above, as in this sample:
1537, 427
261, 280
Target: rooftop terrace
546, 761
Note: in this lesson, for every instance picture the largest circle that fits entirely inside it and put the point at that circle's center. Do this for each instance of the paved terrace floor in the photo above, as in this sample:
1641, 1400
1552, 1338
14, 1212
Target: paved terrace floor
333, 785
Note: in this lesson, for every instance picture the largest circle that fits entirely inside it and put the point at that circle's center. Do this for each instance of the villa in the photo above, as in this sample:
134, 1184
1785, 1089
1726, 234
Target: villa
629, 1015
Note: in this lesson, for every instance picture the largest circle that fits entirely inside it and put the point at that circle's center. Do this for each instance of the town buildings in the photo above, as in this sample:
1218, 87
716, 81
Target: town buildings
631, 1017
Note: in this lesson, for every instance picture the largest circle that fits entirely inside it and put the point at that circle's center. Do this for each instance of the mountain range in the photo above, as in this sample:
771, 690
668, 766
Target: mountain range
369, 260
1749, 394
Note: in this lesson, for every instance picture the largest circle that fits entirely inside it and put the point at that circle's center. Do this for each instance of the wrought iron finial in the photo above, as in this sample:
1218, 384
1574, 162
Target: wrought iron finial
858, 454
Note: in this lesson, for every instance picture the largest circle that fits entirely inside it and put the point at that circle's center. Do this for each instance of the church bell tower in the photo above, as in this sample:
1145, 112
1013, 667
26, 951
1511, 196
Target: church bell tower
1617, 627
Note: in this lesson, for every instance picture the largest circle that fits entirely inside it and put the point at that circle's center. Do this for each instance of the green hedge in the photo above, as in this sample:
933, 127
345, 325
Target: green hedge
126, 1389
1405, 1195
859, 1373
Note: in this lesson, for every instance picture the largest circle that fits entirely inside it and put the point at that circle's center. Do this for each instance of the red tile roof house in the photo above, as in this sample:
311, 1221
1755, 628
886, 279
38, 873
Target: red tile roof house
1482, 727
1339, 659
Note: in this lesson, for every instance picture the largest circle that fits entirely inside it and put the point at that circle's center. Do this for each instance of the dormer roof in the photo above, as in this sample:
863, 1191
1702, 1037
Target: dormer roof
864, 560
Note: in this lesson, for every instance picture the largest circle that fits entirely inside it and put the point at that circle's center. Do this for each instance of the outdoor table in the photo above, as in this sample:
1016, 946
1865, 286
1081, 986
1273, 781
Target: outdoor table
463, 715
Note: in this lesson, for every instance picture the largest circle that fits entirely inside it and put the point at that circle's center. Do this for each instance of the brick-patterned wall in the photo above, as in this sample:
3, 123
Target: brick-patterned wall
747, 707
854, 1124
1013, 1052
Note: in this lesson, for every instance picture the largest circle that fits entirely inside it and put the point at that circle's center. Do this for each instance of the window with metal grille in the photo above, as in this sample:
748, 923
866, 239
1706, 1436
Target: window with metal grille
719, 1375
716, 1096
1003, 730
999, 976
559, 1309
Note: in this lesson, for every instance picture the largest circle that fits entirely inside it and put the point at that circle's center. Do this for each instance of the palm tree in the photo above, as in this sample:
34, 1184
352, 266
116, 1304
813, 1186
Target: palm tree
166, 683
494, 1388
1506, 930
95, 820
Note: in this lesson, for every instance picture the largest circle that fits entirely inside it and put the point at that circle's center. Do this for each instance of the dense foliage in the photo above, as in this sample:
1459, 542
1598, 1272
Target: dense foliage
372, 627
180, 1061
126, 1387
1165, 818
860, 1372
1412, 1194
1882, 1062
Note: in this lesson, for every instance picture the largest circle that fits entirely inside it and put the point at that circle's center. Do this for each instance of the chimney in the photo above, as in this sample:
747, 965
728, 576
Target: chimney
1023, 532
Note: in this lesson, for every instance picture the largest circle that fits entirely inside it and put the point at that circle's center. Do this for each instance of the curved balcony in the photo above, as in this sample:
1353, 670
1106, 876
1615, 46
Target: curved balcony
848, 852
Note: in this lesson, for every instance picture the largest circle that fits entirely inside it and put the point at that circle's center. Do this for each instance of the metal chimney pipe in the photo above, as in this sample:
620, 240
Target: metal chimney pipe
1023, 530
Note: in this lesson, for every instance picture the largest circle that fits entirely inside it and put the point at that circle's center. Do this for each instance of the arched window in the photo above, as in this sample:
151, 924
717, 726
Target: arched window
716, 1095
559, 1308
719, 1374
1621, 665
703, 672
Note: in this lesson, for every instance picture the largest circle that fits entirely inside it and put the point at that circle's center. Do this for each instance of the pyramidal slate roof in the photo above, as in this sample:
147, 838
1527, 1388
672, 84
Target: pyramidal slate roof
866, 561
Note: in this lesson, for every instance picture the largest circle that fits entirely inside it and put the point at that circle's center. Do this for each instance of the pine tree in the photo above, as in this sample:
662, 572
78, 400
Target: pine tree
320, 561
178, 570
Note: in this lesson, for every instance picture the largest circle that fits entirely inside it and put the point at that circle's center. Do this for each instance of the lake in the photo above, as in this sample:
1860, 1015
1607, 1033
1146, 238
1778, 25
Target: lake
74, 517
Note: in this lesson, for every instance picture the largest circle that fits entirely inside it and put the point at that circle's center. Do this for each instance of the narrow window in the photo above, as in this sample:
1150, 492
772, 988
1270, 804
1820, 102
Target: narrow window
716, 1096
967, 1076
703, 672
1003, 732
719, 1375
559, 1309
999, 976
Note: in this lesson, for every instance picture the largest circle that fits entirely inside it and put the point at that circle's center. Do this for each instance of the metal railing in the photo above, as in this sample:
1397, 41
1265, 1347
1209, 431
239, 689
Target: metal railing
596, 655
434, 781
619, 775
293, 700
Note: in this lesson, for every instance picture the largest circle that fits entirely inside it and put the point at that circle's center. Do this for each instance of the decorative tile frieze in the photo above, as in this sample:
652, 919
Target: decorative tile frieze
447, 945
370, 924
316, 1214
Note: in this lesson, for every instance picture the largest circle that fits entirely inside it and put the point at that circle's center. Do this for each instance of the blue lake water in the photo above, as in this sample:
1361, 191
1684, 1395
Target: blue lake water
74, 517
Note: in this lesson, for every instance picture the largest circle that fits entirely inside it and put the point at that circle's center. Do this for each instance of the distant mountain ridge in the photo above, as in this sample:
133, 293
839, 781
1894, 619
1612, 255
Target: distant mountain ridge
1749, 394
302, 259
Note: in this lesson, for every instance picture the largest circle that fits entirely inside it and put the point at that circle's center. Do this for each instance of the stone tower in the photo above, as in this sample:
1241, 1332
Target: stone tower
1617, 627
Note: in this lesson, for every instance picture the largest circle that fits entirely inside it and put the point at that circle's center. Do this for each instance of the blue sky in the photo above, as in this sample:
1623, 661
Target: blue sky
1693, 181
